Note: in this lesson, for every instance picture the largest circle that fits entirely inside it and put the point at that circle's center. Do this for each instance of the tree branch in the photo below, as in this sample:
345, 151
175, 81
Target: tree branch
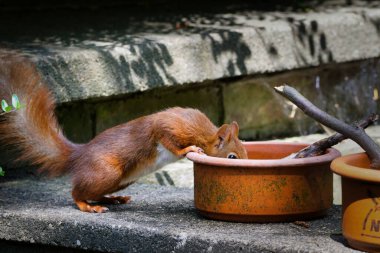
355, 133
319, 147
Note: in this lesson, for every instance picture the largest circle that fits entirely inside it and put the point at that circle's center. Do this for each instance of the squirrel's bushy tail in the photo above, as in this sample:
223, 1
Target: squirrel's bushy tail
32, 130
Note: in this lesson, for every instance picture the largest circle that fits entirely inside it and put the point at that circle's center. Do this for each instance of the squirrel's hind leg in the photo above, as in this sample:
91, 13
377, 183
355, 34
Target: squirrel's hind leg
81, 199
84, 206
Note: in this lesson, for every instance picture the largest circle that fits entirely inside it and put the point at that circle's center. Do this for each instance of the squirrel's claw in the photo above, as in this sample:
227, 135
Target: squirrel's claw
85, 207
98, 209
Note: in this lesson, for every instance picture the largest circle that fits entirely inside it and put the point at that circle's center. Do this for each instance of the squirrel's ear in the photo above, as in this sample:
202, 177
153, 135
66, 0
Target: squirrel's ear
223, 134
234, 128
226, 131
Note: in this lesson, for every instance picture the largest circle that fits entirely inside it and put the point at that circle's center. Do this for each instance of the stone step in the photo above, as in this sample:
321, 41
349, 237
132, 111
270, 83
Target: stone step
97, 55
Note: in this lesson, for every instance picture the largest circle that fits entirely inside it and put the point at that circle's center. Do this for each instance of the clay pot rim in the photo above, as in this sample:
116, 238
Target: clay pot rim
265, 163
342, 167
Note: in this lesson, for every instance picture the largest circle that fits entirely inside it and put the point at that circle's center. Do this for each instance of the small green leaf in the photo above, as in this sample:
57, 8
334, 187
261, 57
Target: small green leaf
16, 102
4, 105
2, 173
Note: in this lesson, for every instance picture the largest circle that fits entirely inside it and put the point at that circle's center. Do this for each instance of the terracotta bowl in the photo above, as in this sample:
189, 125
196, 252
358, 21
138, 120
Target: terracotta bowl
263, 188
361, 201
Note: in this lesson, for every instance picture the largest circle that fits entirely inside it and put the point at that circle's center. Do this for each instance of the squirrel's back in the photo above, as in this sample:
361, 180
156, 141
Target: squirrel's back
188, 125
32, 130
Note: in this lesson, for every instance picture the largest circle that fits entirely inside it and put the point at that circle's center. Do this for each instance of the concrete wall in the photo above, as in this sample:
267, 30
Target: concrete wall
109, 65
347, 91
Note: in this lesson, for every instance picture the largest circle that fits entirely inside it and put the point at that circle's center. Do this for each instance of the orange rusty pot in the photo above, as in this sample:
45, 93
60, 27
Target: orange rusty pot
361, 201
263, 188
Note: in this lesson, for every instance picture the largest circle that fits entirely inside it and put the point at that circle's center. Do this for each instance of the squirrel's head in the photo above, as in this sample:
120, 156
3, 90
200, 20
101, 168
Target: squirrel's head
226, 143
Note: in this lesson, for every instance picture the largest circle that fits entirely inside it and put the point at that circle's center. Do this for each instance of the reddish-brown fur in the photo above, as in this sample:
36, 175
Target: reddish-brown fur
114, 158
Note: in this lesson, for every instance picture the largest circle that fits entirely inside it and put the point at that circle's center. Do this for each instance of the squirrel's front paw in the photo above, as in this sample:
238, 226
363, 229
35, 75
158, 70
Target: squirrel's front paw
188, 149
197, 150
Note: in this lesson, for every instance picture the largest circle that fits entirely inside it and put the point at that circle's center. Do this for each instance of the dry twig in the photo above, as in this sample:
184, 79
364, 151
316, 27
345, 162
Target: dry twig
355, 133
320, 147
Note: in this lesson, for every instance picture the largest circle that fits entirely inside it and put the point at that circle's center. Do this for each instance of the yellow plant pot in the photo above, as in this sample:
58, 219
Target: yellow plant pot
361, 201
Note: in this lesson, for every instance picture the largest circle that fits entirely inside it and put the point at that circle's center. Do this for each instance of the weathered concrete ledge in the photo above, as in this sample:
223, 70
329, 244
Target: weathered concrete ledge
121, 53
160, 219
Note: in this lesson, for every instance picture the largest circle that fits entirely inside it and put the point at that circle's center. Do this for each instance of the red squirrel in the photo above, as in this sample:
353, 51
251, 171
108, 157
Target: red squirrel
116, 157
